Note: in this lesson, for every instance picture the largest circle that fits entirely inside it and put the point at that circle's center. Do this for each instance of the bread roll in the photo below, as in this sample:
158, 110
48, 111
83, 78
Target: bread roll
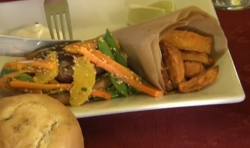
37, 121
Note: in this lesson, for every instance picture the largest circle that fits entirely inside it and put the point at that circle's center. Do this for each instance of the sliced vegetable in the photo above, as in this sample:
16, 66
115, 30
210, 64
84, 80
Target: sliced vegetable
30, 85
30, 64
5, 71
133, 90
118, 84
114, 64
119, 57
84, 89
24, 77
84, 77
45, 75
21, 76
91, 43
104, 48
118, 70
115, 48
101, 94
125, 74
5, 79
114, 93
111, 40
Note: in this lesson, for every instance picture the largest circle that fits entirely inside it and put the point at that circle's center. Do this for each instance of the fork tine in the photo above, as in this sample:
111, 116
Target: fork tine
56, 26
62, 25
54, 8
50, 26
68, 20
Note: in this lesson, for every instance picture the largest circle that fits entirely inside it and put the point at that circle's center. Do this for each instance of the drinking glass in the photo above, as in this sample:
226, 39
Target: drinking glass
231, 4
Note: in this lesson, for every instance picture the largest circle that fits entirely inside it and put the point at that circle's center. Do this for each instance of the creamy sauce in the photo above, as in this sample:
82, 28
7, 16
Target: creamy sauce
40, 31
37, 31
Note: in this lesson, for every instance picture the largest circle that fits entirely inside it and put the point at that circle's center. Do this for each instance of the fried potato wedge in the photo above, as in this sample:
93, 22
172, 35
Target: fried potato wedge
188, 40
200, 81
168, 83
196, 57
193, 69
174, 61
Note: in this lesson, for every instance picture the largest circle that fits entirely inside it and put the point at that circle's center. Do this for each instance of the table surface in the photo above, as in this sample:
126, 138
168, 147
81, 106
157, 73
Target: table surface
217, 126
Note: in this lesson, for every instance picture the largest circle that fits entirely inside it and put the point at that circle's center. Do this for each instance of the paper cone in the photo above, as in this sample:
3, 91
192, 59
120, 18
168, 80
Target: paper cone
141, 41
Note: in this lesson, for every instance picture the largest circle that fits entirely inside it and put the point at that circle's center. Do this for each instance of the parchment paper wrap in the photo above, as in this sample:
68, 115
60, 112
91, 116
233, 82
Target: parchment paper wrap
141, 41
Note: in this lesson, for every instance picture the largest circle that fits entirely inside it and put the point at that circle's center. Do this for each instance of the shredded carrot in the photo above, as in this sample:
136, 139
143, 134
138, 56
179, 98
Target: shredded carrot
111, 62
92, 43
25, 64
127, 75
116, 69
30, 85
4, 81
36, 88
33, 91
101, 93
107, 61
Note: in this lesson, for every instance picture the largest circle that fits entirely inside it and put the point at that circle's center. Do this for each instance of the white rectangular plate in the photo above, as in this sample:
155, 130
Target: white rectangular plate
90, 18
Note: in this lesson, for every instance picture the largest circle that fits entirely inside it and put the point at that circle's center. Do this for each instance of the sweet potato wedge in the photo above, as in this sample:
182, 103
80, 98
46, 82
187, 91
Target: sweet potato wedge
188, 40
168, 83
174, 61
196, 57
200, 81
193, 69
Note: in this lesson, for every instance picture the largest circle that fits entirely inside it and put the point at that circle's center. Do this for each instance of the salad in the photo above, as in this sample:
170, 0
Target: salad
84, 70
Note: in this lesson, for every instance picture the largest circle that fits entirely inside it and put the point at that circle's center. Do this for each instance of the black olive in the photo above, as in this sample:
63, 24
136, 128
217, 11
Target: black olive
65, 73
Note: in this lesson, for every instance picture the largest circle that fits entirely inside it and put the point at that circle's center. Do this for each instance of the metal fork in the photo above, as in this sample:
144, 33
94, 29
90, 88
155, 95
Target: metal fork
53, 10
